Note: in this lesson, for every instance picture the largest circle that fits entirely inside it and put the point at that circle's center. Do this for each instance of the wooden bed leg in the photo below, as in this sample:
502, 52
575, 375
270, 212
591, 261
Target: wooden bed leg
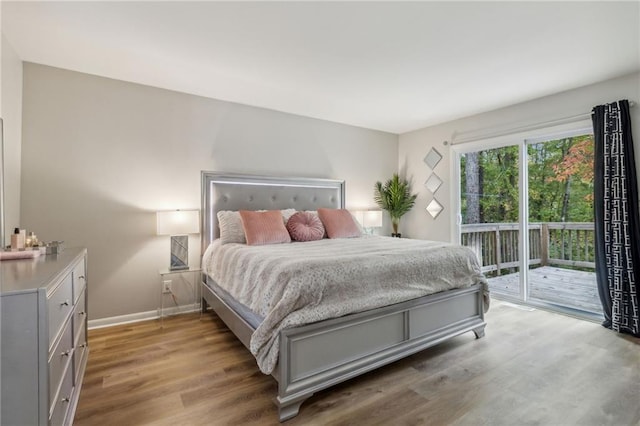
479, 331
290, 409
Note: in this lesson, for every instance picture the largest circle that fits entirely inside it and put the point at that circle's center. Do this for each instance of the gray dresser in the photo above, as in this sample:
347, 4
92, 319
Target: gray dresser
43, 337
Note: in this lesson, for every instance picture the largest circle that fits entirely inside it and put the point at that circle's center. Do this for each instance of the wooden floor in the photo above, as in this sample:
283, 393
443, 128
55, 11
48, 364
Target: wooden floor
560, 286
532, 368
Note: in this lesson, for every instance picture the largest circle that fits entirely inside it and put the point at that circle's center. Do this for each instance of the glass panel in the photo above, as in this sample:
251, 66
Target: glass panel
489, 207
561, 232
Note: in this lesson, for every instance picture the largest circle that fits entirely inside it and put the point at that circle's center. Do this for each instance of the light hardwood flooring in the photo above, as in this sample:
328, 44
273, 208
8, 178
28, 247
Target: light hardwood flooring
532, 368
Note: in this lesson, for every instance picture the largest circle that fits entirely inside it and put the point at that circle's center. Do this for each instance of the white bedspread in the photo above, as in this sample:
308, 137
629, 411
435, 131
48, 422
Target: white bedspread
300, 283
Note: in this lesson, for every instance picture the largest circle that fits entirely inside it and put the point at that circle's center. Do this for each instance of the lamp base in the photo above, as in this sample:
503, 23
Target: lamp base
179, 253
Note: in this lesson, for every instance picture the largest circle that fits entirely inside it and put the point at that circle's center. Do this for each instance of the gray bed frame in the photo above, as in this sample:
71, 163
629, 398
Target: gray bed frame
319, 355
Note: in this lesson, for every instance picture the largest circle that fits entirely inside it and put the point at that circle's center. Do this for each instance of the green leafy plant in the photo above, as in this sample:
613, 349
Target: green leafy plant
395, 197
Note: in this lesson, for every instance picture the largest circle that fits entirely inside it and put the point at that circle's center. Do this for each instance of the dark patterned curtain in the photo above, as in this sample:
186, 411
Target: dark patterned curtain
617, 222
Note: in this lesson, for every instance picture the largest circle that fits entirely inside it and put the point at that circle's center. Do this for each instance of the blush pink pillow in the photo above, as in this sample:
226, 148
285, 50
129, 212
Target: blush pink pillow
262, 228
305, 226
338, 223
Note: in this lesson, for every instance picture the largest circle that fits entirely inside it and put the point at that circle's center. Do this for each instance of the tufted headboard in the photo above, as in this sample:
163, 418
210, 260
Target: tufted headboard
228, 191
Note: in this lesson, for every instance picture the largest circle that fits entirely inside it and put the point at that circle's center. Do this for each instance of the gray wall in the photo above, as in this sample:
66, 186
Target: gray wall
101, 156
414, 146
11, 113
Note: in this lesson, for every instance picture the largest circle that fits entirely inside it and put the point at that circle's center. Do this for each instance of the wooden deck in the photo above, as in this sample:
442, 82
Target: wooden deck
550, 284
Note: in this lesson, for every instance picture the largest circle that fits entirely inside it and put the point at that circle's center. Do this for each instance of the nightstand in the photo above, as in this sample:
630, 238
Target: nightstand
182, 284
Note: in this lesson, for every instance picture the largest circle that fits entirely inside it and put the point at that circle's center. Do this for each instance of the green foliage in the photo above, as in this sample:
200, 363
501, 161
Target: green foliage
395, 197
558, 169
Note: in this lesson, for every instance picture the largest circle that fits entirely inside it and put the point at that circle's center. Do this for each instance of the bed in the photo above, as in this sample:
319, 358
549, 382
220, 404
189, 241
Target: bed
358, 342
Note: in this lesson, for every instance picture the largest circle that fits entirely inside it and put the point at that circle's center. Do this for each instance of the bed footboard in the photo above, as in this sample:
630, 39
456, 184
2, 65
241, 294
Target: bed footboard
320, 355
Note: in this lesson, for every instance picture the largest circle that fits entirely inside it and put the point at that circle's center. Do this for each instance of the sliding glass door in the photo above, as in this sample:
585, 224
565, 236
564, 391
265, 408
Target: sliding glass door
526, 209
560, 213
489, 213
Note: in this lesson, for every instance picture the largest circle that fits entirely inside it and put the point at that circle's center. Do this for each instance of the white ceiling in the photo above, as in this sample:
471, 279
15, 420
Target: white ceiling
389, 66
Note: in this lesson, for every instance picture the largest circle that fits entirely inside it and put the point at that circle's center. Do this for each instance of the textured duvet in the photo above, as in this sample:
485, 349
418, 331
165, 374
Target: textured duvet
300, 283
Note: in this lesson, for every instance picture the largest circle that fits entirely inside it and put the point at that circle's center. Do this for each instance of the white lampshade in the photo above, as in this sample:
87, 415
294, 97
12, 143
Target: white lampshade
359, 215
179, 222
372, 219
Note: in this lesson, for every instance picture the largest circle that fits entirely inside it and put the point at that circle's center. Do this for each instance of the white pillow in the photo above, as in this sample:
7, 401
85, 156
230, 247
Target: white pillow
231, 230
358, 224
230, 224
286, 214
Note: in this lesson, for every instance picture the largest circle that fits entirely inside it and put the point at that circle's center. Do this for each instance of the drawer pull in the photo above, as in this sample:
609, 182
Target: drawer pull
65, 353
81, 277
65, 400
83, 345
65, 303
82, 313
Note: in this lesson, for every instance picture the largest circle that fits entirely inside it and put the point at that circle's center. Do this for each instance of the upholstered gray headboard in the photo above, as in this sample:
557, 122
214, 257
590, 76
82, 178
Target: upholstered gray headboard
228, 191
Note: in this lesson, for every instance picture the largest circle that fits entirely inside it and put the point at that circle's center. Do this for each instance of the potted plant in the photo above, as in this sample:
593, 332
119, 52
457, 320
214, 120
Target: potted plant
396, 198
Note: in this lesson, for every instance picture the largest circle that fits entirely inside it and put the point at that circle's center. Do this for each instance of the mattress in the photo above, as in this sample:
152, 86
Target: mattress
293, 284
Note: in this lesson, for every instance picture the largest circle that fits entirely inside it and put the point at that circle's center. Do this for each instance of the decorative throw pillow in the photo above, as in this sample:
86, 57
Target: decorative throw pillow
231, 230
262, 228
305, 226
339, 223
230, 224
315, 213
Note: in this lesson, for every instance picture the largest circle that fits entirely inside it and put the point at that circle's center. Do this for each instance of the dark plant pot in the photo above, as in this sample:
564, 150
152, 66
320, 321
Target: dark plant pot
398, 235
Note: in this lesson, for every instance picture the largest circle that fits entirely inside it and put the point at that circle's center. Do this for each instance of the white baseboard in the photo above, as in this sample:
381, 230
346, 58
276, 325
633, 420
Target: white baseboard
122, 319
140, 316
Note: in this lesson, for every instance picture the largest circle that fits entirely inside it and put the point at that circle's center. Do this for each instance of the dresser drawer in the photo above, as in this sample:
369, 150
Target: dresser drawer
79, 317
59, 358
79, 279
59, 306
62, 403
79, 353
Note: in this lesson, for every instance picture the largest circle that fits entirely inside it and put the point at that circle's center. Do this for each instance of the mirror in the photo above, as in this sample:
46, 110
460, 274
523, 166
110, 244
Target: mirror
434, 208
433, 183
433, 158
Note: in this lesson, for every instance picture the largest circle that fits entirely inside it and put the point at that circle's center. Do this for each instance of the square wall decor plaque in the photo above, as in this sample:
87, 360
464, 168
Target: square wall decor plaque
433, 158
433, 183
434, 208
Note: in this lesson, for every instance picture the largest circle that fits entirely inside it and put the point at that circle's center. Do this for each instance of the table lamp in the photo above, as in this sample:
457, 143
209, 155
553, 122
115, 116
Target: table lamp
372, 219
178, 224
369, 219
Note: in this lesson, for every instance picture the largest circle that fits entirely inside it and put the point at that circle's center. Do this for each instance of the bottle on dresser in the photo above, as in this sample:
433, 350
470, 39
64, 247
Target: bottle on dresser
18, 239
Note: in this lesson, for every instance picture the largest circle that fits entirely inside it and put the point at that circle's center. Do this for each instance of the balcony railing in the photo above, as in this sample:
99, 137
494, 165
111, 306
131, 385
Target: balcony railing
569, 244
